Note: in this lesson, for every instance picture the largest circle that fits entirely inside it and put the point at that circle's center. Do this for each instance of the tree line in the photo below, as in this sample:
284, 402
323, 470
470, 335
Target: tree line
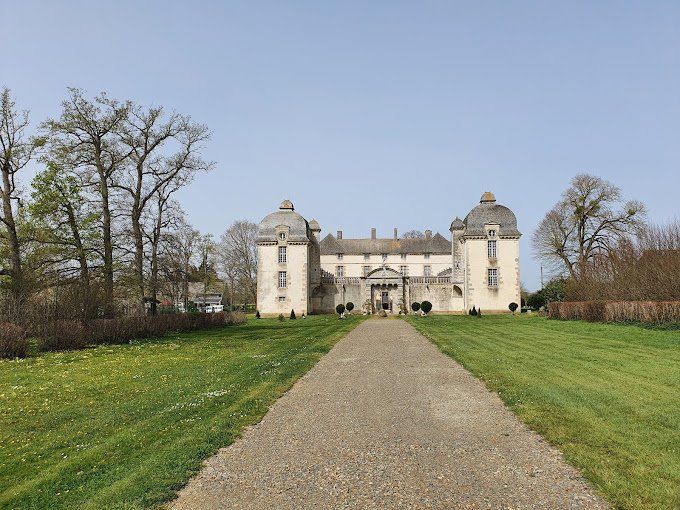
98, 231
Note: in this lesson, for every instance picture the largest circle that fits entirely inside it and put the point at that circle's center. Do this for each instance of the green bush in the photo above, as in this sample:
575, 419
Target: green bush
479, 312
340, 309
257, 314
415, 306
349, 306
281, 317
426, 307
292, 314
513, 306
473, 311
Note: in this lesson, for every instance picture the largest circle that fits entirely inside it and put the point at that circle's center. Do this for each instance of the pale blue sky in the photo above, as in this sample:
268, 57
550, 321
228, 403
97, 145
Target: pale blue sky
379, 114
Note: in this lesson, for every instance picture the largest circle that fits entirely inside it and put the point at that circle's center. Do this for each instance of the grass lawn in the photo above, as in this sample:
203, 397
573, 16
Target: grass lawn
126, 426
607, 396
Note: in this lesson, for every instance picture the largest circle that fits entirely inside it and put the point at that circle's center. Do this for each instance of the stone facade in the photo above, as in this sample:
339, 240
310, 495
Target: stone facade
478, 265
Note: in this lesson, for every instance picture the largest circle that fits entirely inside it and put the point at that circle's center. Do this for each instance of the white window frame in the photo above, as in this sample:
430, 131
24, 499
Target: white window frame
492, 233
427, 256
283, 255
367, 269
427, 270
492, 248
283, 280
403, 256
339, 271
340, 256
367, 256
492, 277
403, 270
282, 299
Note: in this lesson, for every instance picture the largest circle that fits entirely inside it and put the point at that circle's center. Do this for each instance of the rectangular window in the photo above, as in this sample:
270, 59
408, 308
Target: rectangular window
340, 271
367, 269
282, 254
367, 256
403, 270
427, 271
403, 256
427, 255
492, 276
491, 249
384, 257
283, 280
339, 256
282, 299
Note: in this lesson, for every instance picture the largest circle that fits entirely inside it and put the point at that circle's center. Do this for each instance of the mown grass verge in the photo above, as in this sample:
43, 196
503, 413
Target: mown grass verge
126, 426
606, 395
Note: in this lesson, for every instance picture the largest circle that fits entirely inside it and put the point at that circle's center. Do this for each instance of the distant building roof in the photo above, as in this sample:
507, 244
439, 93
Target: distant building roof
437, 244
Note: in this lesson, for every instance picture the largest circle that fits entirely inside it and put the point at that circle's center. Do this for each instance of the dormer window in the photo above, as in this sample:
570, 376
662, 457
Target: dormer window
339, 256
427, 255
384, 257
367, 256
282, 236
492, 233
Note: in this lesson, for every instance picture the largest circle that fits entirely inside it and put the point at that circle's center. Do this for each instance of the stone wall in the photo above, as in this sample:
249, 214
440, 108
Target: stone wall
444, 297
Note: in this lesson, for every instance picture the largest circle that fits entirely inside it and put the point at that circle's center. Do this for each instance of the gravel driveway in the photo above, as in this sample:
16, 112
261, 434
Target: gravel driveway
385, 420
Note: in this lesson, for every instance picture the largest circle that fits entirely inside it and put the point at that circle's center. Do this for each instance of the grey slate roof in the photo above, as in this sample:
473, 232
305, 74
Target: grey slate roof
299, 228
490, 212
436, 244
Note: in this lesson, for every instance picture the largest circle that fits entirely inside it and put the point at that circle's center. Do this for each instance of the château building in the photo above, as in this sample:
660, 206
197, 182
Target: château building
477, 264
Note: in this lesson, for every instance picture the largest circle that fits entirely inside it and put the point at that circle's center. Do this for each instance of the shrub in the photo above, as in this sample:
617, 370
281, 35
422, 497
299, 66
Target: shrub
513, 306
382, 313
473, 311
62, 335
13, 342
68, 334
426, 306
281, 317
340, 309
292, 314
415, 306
349, 307
257, 314
616, 311
479, 312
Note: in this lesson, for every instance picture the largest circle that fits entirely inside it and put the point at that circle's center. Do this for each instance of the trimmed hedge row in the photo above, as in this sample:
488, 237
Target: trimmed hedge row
71, 334
616, 311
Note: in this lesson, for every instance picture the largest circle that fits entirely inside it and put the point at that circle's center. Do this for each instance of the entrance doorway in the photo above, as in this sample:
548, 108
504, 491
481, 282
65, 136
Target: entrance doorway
385, 300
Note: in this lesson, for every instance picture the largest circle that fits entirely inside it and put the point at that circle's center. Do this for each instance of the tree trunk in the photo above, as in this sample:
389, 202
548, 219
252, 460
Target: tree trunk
15, 270
82, 262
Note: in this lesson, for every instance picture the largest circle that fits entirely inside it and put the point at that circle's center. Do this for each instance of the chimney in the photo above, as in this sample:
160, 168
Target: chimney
428, 234
395, 233
339, 236
373, 234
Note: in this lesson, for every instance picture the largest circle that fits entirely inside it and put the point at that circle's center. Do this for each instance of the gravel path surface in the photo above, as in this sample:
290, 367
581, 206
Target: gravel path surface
385, 420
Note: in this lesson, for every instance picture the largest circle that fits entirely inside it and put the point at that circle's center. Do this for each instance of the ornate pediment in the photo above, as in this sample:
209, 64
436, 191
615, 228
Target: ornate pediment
382, 273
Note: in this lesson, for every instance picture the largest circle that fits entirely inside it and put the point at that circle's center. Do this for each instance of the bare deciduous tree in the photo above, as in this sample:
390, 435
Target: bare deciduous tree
238, 258
589, 220
162, 150
16, 150
413, 234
